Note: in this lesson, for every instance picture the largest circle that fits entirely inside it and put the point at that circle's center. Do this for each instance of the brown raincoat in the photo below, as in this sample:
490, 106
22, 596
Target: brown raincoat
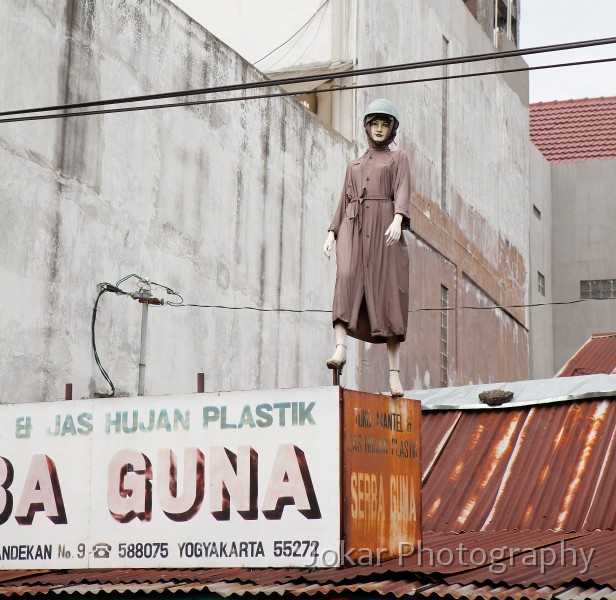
372, 279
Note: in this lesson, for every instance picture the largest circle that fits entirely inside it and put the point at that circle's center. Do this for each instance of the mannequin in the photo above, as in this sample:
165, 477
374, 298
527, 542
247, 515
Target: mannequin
371, 294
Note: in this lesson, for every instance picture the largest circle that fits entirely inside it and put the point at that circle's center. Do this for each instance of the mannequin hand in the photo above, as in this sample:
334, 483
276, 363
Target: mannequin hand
394, 231
329, 243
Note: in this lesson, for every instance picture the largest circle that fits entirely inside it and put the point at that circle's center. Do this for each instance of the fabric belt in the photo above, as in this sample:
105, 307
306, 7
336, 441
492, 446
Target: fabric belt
356, 203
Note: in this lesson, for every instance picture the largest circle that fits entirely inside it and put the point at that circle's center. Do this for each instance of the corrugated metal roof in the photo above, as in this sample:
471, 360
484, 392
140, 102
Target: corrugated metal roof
574, 129
597, 355
480, 570
545, 467
525, 393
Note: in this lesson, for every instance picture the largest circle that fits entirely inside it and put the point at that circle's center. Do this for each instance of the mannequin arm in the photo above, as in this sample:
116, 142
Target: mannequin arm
394, 231
329, 243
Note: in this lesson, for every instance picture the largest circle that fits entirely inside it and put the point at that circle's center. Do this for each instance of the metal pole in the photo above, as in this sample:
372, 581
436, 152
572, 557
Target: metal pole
144, 340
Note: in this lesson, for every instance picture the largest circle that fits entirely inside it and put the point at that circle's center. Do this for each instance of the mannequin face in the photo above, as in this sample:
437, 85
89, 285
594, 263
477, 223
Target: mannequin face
379, 129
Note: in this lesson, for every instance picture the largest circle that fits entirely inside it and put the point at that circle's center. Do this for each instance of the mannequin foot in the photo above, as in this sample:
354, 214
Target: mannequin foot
395, 384
338, 359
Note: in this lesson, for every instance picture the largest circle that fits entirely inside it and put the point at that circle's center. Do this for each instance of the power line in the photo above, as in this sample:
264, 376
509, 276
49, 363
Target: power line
320, 77
288, 40
107, 287
296, 93
414, 310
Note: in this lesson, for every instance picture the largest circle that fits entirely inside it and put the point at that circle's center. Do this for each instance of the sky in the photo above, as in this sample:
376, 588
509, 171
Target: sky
542, 23
545, 22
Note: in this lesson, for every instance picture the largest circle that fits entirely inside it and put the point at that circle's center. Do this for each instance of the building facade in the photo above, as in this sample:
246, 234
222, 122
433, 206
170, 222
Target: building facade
228, 204
572, 245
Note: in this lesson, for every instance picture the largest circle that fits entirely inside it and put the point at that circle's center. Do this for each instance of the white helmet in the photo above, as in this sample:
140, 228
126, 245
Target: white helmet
381, 106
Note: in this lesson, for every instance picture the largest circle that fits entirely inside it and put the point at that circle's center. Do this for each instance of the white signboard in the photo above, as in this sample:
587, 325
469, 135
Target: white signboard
202, 480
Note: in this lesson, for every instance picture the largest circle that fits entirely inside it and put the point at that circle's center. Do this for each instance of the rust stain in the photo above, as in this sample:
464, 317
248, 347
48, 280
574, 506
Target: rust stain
470, 242
467, 510
597, 418
476, 436
456, 471
434, 507
381, 473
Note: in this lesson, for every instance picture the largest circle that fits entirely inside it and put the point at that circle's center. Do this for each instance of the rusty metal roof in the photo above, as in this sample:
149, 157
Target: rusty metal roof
597, 355
545, 467
513, 564
519, 481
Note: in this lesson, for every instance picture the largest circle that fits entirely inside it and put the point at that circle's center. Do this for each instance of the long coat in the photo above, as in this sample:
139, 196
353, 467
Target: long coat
372, 279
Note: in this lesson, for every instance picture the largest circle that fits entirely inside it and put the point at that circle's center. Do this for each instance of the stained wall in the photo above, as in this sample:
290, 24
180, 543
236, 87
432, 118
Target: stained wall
227, 204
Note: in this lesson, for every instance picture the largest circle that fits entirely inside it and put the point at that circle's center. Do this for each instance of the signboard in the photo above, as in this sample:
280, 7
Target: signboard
230, 479
381, 480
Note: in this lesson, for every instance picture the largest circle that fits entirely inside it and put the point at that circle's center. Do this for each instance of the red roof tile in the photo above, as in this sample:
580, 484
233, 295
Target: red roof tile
597, 355
573, 130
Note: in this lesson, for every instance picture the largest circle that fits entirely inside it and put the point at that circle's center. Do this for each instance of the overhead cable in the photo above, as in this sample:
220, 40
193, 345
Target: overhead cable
414, 310
320, 77
300, 29
107, 287
296, 93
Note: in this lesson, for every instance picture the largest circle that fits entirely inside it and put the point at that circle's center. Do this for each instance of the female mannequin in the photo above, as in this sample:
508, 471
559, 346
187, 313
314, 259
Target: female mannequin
372, 272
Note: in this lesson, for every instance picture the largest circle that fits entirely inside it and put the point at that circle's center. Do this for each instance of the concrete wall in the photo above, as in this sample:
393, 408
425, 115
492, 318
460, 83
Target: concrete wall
541, 317
479, 246
227, 204
583, 248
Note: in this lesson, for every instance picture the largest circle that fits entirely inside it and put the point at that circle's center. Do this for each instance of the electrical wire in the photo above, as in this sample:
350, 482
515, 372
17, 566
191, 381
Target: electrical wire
108, 287
297, 41
320, 77
414, 310
301, 92
302, 27
181, 304
103, 288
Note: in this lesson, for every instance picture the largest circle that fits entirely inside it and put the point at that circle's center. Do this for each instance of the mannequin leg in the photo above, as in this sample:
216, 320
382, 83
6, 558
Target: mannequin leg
339, 357
393, 353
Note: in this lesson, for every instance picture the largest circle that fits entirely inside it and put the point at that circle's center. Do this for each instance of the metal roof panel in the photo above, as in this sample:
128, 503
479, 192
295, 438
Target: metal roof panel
525, 393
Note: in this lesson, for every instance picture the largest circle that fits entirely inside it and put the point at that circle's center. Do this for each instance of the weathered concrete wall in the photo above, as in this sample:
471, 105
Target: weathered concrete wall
583, 248
227, 204
482, 236
541, 317
477, 128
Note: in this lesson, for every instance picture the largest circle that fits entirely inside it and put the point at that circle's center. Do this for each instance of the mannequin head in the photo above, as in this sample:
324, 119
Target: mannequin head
380, 126
379, 114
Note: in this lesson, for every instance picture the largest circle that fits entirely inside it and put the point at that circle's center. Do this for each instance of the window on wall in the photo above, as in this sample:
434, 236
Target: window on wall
444, 335
506, 18
541, 283
598, 289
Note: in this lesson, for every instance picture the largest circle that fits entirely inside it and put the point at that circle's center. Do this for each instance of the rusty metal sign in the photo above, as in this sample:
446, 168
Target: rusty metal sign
381, 477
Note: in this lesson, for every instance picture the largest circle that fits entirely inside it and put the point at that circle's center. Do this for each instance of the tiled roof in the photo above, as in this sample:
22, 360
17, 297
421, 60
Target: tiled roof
534, 481
597, 355
573, 130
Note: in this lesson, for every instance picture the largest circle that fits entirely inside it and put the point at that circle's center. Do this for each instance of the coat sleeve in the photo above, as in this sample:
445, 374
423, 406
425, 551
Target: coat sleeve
402, 190
342, 205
